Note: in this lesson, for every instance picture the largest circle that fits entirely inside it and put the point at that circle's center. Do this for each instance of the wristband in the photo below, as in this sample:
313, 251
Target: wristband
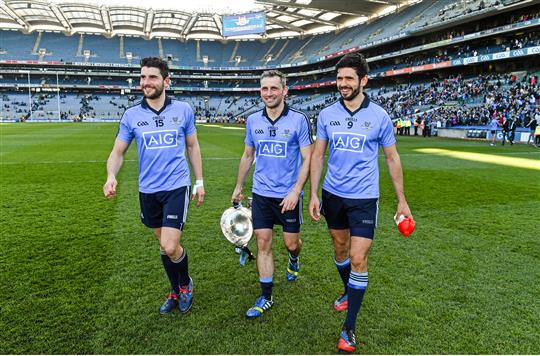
198, 184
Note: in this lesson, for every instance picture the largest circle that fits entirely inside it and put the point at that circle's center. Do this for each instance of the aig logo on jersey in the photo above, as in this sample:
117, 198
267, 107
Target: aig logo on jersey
160, 139
345, 141
272, 148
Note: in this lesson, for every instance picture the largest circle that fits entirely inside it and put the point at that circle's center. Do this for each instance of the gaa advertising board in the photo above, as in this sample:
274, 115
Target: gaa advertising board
244, 24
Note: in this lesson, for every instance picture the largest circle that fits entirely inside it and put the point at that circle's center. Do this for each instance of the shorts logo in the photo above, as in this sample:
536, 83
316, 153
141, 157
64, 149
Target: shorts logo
290, 220
272, 148
172, 217
345, 141
367, 222
160, 139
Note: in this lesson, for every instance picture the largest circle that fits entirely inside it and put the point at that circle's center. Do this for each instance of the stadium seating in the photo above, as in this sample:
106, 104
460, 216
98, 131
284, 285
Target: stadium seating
202, 53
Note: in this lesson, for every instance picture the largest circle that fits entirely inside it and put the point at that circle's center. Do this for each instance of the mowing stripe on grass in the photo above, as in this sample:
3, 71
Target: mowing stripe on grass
485, 158
223, 127
233, 128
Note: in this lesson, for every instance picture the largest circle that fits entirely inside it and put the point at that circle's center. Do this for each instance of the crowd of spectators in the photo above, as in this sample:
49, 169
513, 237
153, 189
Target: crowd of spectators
460, 102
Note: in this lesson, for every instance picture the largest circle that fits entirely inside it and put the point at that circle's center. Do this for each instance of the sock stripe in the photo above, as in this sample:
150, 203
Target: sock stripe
181, 258
358, 280
266, 279
343, 263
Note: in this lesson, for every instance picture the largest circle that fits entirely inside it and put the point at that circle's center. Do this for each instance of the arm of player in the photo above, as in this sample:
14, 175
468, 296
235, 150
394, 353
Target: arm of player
396, 173
290, 201
194, 154
243, 169
316, 168
114, 163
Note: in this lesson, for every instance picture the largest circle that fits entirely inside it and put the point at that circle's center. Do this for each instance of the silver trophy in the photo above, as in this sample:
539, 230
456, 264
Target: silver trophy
237, 227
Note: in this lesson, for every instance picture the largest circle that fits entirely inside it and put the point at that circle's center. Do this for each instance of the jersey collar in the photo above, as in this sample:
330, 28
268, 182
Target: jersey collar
283, 113
365, 104
145, 105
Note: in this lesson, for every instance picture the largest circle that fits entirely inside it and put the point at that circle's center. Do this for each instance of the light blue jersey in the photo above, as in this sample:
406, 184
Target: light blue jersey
354, 139
161, 143
494, 124
277, 150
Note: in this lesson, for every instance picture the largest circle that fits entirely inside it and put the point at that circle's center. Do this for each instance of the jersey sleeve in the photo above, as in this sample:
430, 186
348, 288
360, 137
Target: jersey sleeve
386, 134
305, 135
189, 127
249, 139
125, 133
321, 128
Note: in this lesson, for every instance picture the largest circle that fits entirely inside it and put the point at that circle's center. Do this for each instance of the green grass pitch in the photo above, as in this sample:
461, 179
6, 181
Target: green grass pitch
81, 274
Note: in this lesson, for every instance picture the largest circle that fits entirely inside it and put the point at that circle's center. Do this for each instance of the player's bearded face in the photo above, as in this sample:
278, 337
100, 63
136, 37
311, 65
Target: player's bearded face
153, 90
152, 82
348, 83
350, 90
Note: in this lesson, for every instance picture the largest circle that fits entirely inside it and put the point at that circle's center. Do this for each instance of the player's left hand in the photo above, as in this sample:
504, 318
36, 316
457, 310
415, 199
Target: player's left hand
198, 189
289, 202
403, 209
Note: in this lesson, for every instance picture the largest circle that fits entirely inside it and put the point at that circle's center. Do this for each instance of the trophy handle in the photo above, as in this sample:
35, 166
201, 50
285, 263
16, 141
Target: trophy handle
238, 204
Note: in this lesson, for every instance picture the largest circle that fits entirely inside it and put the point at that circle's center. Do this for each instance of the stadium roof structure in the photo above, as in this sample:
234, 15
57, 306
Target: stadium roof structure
284, 18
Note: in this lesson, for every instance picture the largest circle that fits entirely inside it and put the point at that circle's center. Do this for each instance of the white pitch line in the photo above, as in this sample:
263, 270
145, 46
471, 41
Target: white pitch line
104, 161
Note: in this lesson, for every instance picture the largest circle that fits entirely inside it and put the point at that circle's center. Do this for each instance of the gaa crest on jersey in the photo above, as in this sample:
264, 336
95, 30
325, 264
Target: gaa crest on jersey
175, 120
160, 139
367, 126
286, 133
346, 141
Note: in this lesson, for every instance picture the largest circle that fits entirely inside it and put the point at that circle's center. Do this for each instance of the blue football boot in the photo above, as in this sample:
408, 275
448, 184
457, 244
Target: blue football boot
347, 341
170, 304
261, 305
185, 297
292, 271
342, 303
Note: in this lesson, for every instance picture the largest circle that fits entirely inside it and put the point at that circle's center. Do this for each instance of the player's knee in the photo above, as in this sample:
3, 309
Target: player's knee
294, 245
341, 249
359, 261
170, 249
264, 243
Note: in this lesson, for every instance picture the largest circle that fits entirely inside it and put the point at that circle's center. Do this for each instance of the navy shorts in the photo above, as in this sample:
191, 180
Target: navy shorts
358, 215
266, 213
165, 209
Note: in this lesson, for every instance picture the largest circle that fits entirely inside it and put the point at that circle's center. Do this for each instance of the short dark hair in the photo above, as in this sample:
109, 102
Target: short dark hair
354, 60
275, 73
156, 62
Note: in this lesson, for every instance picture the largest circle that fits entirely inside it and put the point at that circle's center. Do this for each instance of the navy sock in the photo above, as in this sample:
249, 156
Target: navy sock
358, 282
266, 287
344, 269
181, 265
170, 269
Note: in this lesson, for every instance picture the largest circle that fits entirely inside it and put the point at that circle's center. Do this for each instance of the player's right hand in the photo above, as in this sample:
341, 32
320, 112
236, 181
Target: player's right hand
237, 195
315, 208
109, 188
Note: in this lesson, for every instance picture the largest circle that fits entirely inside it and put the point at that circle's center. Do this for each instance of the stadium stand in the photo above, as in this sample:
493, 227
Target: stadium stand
427, 64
